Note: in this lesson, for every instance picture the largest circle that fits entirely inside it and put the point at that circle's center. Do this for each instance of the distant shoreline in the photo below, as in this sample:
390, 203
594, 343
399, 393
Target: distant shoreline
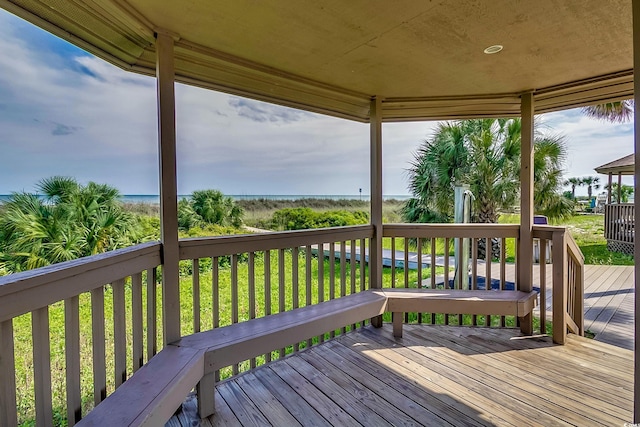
154, 199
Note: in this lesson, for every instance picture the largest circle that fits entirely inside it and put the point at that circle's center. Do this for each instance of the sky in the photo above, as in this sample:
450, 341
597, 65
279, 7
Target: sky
66, 112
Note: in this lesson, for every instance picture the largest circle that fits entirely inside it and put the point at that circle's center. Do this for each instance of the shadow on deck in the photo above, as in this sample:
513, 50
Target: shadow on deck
435, 375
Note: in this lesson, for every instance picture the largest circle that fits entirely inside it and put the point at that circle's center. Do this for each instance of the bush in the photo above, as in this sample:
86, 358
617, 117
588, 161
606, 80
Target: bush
306, 218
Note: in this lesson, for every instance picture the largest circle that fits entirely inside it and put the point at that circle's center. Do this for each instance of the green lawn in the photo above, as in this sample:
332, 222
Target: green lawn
588, 232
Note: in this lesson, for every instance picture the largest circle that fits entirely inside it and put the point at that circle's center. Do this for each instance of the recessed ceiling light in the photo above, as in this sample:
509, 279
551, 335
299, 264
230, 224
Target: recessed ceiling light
493, 49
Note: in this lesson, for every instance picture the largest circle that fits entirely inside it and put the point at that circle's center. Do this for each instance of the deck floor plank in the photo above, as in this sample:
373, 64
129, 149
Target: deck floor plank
496, 353
434, 375
538, 386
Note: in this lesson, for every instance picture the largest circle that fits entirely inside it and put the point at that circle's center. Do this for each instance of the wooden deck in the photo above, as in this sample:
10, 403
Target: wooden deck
608, 303
608, 300
435, 375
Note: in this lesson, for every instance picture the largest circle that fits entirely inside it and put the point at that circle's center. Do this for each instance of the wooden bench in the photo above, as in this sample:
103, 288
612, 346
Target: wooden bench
156, 390
500, 303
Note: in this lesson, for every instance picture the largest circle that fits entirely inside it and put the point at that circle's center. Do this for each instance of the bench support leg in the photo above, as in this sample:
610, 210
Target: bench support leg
397, 318
206, 395
526, 324
376, 322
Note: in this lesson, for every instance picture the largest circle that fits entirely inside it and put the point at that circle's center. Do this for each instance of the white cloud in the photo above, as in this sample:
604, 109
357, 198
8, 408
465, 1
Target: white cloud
65, 112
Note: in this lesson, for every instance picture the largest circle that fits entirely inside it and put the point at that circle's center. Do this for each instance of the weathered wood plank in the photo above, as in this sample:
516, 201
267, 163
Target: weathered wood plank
295, 404
98, 344
119, 332
72, 359
270, 407
42, 366
8, 407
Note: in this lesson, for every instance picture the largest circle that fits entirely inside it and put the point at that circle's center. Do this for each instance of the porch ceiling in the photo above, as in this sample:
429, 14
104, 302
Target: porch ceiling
425, 59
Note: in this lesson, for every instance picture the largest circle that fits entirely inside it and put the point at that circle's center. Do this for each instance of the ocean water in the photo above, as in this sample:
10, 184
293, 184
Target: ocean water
155, 199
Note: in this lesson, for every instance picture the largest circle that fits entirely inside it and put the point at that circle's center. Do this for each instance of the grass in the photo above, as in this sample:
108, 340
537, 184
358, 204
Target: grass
588, 232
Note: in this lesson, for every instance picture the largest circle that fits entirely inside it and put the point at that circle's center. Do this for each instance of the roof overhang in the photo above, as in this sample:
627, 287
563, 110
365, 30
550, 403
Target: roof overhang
622, 166
424, 60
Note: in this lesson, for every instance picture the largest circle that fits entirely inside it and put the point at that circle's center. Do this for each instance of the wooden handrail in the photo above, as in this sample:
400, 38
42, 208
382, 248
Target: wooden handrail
227, 245
24, 292
452, 231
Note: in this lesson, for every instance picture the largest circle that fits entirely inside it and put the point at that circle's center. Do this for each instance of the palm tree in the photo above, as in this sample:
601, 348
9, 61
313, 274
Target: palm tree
574, 182
615, 112
592, 183
70, 221
625, 192
484, 154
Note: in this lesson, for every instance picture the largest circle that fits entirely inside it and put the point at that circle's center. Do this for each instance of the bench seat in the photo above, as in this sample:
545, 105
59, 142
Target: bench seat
499, 303
157, 389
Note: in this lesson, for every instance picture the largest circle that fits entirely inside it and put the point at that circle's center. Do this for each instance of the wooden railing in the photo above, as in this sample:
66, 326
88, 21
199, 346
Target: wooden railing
238, 278
619, 226
99, 356
232, 279
567, 278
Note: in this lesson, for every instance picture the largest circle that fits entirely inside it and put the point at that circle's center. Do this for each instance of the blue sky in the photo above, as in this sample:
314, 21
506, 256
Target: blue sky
65, 112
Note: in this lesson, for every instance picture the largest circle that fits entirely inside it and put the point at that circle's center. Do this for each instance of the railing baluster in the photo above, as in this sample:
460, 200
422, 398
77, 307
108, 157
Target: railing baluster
363, 262
488, 257
343, 273
433, 273
393, 262
8, 407
119, 332
295, 283
267, 290
136, 321
406, 271
543, 286
281, 288
503, 272
215, 292
72, 358
234, 296
42, 365
251, 272
419, 261
446, 273
352, 265
99, 352
152, 309
195, 290
332, 277
474, 273
321, 278
308, 280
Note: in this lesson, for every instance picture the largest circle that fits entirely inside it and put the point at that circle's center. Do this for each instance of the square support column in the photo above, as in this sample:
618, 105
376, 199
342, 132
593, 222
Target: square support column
525, 259
375, 249
165, 74
636, 182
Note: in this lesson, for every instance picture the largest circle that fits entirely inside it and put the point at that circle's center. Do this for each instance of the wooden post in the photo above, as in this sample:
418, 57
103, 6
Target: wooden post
559, 287
609, 188
375, 249
165, 74
525, 261
619, 191
636, 250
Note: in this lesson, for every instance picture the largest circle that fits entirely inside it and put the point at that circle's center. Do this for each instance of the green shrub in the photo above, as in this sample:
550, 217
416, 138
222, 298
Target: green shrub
306, 218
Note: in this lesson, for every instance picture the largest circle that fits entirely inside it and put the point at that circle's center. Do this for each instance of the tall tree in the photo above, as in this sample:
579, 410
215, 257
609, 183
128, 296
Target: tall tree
484, 154
592, 184
574, 182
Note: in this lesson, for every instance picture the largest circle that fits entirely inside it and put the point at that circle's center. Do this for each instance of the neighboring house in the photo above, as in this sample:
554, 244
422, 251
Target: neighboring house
619, 218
